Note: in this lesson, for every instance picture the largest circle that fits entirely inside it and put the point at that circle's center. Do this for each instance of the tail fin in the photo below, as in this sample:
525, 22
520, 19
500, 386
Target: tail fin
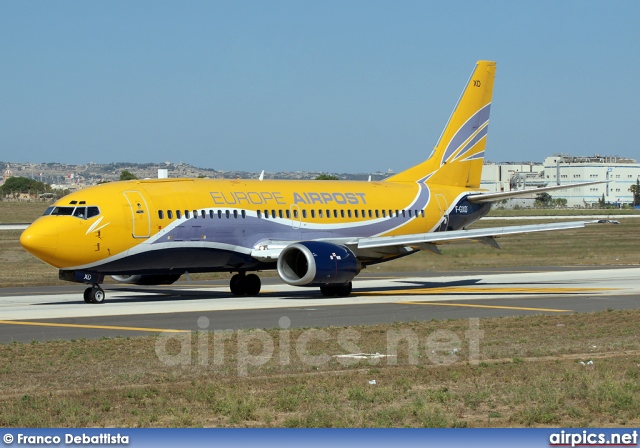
458, 156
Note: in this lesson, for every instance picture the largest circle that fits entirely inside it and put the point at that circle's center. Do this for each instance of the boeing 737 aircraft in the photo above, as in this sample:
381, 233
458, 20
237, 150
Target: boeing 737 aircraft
315, 233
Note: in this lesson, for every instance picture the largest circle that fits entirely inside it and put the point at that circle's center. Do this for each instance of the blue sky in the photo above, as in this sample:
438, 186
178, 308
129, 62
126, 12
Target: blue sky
340, 86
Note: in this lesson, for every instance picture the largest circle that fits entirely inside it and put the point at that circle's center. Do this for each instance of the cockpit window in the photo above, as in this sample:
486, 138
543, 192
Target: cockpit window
62, 211
78, 212
48, 211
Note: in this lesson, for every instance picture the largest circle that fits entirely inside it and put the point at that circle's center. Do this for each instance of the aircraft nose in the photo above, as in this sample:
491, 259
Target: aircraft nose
40, 239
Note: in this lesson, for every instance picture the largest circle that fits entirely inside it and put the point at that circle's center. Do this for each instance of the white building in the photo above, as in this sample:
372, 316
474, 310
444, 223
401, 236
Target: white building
497, 177
621, 173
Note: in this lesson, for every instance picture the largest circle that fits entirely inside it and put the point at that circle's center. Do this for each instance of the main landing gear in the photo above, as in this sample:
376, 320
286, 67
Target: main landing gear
245, 285
94, 294
336, 290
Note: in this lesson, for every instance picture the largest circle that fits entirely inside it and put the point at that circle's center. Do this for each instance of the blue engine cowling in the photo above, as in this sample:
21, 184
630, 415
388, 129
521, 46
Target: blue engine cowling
315, 263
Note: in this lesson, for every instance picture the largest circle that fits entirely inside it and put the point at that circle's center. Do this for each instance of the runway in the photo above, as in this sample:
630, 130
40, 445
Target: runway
42, 314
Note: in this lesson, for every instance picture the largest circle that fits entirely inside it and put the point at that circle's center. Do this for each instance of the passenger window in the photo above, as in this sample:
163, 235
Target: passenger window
342, 213
219, 214
349, 213
313, 213
295, 214
304, 214
384, 213
266, 214
235, 214
186, 214
422, 213
377, 214
178, 214
259, 214
195, 214
211, 214
273, 213
335, 213
203, 214
244, 214
227, 214
169, 214
403, 214
370, 214
288, 213
160, 214
280, 213
356, 213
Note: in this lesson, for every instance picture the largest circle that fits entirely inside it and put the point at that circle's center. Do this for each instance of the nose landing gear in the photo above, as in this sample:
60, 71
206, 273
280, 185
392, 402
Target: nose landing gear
94, 294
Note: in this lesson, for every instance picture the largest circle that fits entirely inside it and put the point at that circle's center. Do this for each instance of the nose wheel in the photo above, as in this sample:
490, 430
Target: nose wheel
95, 294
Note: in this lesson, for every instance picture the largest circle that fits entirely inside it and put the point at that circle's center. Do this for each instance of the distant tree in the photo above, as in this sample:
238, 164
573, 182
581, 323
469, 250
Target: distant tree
543, 200
559, 202
23, 185
326, 177
635, 189
127, 175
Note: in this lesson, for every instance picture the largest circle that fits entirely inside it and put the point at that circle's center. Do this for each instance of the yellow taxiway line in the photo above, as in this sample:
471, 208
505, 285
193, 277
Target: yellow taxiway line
486, 290
91, 327
520, 308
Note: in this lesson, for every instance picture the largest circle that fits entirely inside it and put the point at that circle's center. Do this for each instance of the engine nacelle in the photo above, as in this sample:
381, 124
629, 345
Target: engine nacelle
150, 279
316, 263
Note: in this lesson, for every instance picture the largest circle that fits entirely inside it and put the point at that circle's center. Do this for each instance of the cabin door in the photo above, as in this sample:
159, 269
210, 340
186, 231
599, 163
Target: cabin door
296, 219
140, 218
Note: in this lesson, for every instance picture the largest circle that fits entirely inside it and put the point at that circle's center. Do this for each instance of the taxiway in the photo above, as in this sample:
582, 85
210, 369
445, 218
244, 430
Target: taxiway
43, 313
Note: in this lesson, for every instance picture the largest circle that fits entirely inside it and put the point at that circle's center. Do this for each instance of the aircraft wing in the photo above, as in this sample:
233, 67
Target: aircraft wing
480, 235
269, 250
492, 197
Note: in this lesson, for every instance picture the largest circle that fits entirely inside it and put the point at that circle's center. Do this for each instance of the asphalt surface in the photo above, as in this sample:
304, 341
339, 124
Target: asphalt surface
49, 313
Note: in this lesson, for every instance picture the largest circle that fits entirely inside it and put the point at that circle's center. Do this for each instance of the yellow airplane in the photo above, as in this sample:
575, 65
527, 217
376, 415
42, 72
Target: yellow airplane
315, 233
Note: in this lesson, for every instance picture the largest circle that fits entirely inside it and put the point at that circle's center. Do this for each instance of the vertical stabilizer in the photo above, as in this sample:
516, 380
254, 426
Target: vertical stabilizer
458, 156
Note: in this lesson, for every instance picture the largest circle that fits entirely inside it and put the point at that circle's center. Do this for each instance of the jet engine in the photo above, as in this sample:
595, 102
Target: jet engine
316, 263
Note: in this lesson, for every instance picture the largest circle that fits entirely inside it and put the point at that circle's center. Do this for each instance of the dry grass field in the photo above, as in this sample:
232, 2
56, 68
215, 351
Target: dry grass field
530, 371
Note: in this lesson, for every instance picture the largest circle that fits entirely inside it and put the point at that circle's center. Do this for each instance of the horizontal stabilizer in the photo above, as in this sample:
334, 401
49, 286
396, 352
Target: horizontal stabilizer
493, 197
